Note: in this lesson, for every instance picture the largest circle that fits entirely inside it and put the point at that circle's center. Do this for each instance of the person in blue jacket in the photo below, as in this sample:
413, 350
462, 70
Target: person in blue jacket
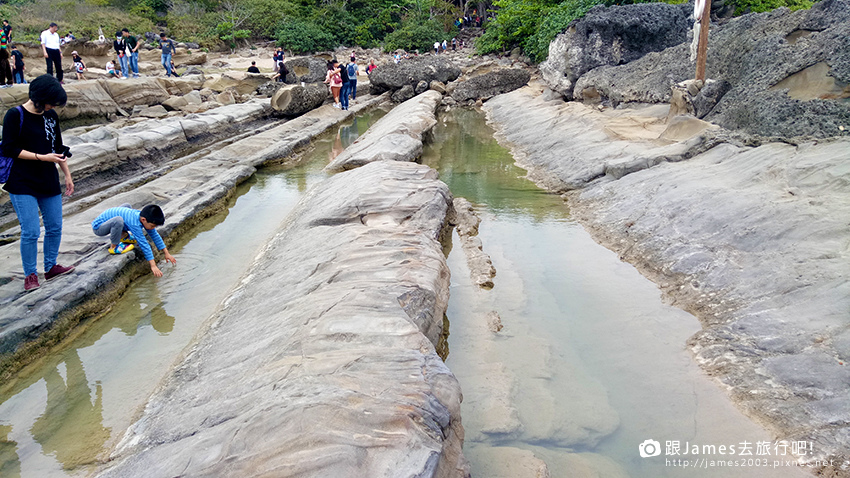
126, 228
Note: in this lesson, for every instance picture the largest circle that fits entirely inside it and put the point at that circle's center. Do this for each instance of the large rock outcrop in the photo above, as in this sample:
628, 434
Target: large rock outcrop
307, 69
348, 300
395, 137
490, 84
788, 72
751, 240
612, 36
135, 91
241, 82
393, 76
293, 100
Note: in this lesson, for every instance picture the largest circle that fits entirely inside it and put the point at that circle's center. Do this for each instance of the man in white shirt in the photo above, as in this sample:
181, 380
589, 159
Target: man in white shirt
50, 46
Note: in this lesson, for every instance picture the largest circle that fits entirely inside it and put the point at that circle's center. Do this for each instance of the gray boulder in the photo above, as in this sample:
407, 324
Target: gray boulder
491, 84
421, 87
787, 72
306, 69
193, 70
293, 100
612, 36
405, 93
410, 72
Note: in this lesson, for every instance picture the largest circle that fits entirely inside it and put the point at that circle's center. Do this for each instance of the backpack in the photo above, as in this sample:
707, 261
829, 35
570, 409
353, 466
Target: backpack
6, 162
352, 71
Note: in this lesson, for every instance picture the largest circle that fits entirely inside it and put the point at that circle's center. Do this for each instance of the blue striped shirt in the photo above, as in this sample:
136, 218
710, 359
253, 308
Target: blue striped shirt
132, 224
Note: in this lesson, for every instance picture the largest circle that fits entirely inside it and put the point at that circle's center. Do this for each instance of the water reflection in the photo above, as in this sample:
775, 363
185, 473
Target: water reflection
477, 168
71, 427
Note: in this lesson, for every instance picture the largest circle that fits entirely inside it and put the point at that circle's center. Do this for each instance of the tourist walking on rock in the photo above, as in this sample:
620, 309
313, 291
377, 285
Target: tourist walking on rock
168, 48
334, 81
31, 136
126, 228
131, 49
6, 78
277, 57
353, 71
7, 29
371, 67
52, 53
121, 50
346, 84
18, 66
436, 47
79, 65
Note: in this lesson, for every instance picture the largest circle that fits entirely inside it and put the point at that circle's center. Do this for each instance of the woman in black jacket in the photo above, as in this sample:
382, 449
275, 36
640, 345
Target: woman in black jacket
35, 143
123, 61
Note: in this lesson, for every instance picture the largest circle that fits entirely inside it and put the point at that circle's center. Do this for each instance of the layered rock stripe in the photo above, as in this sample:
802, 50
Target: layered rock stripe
753, 241
397, 136
322, 362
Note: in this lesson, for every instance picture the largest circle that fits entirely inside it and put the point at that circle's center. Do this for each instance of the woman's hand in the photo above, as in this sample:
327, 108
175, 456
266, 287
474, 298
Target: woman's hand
69, 185
51, 157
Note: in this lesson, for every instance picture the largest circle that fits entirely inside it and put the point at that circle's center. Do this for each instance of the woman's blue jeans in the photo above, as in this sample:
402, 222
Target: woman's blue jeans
27, 208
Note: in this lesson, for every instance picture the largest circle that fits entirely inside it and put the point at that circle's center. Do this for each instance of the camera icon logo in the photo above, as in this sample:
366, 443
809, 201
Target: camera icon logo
649, 448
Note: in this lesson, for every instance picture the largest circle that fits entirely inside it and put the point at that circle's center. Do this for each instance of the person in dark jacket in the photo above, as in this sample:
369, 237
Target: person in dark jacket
35, 144
120, 50
18, 65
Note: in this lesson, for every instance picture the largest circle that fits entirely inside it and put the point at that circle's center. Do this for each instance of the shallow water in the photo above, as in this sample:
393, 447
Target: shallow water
60, 414
590, 362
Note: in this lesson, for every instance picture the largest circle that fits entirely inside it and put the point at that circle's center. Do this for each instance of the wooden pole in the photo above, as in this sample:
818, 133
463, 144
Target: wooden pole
702, 48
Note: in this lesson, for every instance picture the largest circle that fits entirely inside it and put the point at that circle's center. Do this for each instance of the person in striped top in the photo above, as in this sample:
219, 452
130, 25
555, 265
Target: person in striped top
115, 222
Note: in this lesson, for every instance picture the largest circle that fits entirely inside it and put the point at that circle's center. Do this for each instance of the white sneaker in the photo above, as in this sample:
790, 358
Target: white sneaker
336, 106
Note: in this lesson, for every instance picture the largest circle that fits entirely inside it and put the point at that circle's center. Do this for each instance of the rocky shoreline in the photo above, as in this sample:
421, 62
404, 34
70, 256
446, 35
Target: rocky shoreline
749, 240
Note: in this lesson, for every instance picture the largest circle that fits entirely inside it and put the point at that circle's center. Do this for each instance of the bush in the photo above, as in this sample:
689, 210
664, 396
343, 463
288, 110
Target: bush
304, 36
416, 35
747, 6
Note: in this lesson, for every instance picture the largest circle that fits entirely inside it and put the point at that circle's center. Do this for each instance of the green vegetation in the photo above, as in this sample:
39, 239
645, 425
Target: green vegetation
311, 25
299, 25
533, 24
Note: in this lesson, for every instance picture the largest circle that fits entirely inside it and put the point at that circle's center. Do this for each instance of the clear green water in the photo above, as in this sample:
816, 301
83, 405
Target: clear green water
590, 362
61, 414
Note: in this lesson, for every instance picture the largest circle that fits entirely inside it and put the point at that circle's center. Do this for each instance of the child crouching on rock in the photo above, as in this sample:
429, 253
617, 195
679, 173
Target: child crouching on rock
126, 227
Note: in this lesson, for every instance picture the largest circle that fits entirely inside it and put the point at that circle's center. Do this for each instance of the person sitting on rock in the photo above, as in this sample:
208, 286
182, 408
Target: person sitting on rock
282, 71
253, 68
79, 65
126, 228
111, 71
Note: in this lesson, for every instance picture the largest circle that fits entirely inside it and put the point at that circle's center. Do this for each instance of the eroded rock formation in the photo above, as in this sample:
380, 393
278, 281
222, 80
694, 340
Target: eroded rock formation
612, 36
395, 137
394, 76
764, 57
348, 299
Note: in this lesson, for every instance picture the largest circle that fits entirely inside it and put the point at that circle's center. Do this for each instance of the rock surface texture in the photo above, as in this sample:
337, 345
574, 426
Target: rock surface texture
348, 300
751, 240
491, 84
612, 36
293, 100
788, 73
394, 76
466, 222
395, 137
